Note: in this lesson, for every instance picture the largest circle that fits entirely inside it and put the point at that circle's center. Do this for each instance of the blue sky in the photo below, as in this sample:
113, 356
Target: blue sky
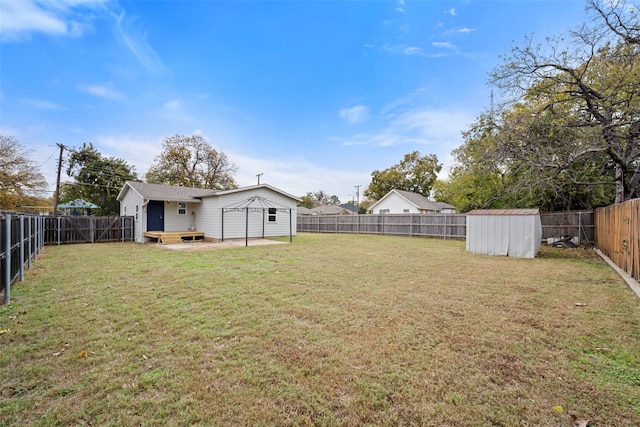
313, 94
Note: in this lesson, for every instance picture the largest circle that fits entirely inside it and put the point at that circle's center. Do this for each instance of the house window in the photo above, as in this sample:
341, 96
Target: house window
272, 214
405, 210
384, 211
182, 208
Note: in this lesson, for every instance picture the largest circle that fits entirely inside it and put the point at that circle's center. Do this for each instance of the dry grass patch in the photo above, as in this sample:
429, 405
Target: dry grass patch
330, 330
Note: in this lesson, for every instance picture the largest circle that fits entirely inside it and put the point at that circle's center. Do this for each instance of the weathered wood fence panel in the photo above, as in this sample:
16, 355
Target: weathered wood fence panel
618, 235
446, 226
21, 240
64, 230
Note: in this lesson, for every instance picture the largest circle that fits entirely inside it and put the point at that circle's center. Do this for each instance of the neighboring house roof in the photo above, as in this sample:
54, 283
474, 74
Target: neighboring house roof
330, 210
304, 211
418, 200
174, 193
351, 208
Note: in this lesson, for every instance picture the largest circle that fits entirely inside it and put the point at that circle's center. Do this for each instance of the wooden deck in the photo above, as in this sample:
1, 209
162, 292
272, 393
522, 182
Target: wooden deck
168, 237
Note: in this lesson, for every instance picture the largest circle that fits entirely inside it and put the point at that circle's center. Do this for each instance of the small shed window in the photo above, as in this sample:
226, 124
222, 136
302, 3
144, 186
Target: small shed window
272, 214
182, 208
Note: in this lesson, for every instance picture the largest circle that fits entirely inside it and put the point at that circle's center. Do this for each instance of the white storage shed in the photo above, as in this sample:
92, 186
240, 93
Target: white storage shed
504, 232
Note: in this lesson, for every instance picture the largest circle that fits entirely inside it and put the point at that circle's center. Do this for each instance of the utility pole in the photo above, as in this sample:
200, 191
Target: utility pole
259, 175
357, 187
57, 197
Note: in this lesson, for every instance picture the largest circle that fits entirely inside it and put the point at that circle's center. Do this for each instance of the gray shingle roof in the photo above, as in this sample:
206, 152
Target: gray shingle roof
168, 192
422, 202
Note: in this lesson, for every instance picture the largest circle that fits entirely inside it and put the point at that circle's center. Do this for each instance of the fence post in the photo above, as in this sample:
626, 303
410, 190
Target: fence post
21, 219
92, 229
445, 226
29, 246
7, 260
59, 229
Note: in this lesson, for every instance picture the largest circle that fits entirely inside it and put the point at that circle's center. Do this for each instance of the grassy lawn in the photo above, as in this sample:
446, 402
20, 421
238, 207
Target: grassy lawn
330, 330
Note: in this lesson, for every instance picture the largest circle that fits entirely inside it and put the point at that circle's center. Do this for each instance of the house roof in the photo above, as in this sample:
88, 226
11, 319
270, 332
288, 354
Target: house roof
304, 211
171, 193
504, 212
330, 210
174, 193
418, 200
252, 187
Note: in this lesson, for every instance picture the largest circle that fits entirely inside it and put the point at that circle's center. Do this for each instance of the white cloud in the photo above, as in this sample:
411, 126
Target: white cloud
451, 11
174, 105
446, 45
106, 91
21, 18
42, 104
355, 114
466, 30
298, 176
136, 42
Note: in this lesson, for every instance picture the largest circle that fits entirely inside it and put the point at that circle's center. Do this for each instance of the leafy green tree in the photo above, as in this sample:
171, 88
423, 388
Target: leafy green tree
96, 179
413, 173
21, 183
584, 88
192, 162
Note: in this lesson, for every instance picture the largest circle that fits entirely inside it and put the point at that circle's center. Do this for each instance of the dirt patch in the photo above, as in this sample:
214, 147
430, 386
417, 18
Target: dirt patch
204, 245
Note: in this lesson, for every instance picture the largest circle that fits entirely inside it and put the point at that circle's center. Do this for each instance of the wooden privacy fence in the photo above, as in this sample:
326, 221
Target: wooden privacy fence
446, 226
64, 230
618, 235
21, 240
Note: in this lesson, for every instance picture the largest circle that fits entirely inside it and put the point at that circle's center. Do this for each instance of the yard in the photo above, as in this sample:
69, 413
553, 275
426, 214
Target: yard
330, 330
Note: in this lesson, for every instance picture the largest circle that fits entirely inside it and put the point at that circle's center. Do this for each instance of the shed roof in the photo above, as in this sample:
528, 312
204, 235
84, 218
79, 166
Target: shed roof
504, 212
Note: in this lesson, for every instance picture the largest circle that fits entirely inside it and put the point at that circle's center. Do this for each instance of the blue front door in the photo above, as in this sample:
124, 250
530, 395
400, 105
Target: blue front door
155, 216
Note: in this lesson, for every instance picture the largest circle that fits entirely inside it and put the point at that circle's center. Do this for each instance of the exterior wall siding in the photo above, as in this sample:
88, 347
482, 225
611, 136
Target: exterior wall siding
395, 204
175, 222
209, 216
132, 205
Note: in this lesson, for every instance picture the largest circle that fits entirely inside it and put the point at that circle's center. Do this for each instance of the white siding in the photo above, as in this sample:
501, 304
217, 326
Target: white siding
132, 205
395, 204
209, 216
517, 236
175, 222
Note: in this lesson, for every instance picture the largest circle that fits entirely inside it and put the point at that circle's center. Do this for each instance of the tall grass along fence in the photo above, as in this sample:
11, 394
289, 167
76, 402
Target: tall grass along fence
64, 230
446, 226
618, 235
21, 240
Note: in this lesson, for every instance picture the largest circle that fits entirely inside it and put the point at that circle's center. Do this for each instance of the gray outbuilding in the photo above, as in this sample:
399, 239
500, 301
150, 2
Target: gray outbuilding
504, 232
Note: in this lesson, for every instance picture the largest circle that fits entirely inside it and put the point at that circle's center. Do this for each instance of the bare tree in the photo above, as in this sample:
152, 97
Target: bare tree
21, 182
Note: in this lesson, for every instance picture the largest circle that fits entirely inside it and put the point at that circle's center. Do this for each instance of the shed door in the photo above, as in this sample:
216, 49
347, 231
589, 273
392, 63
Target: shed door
155, 215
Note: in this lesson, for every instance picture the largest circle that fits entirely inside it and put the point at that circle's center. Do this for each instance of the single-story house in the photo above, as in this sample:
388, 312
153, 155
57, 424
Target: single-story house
255, 211
400, 201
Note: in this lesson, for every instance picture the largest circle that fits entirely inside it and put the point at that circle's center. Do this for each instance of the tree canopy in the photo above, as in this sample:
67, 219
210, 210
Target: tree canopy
415, 173
97, 179
21, 182
576, 100
191, 161
568, 134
